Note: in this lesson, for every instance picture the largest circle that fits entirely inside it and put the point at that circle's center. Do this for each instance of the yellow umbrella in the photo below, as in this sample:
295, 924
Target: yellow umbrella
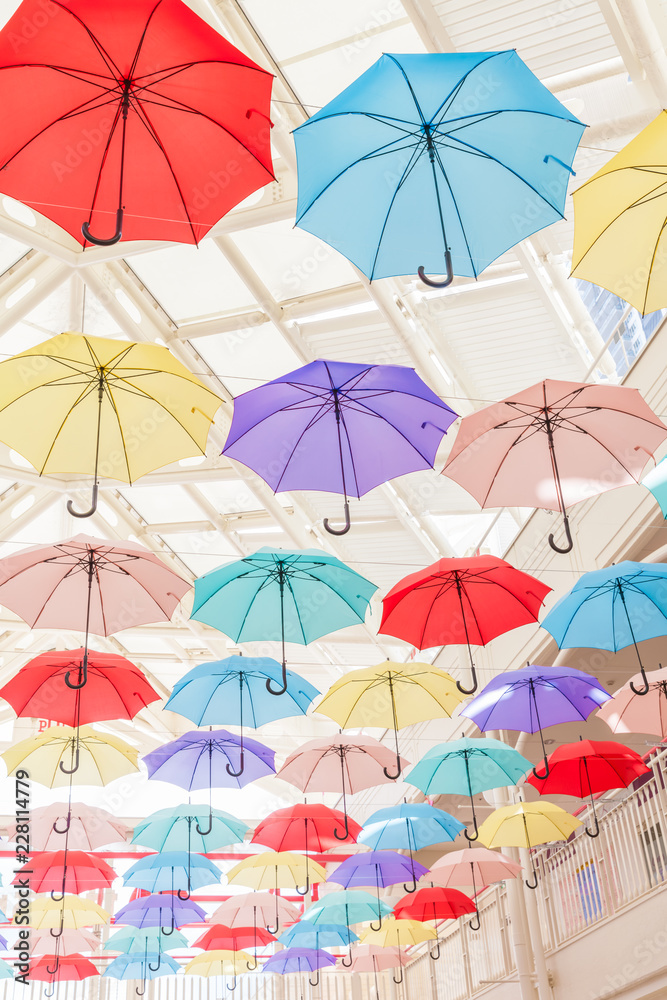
391, 696
527, 824
219, 963
70, 912
399, 933
110, 407
61, 755
620, 239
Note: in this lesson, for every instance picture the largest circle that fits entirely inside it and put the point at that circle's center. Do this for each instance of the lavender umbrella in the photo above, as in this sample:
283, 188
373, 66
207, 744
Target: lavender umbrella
338, 427
155, 910
379, 869
212, 759
299, 960
533, 698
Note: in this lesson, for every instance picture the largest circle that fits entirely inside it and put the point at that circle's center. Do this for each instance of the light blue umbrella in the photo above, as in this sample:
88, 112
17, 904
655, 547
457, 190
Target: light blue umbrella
6, 970
409, 826
189, 828
349, 906
467, 767
656, 482
443, 160
613, 608
145, 939
172, 870
150, 965
306, 934
285, 596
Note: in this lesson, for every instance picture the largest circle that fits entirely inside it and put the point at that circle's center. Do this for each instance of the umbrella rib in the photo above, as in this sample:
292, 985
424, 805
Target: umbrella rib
319, 415
106, 56
643, 200
459, 85
412, 163
650, 270
137, 390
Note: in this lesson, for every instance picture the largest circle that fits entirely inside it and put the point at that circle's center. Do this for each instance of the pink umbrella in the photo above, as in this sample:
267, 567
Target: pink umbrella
554, 445
472, 866
88, 828
631, 713
344, 764
255, 909
375, 958
71, 941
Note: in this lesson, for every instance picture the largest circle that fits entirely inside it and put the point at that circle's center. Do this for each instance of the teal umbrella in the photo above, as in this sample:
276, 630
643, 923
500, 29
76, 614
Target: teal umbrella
349, 906
283, 596
467, 767
141, 939
172, 870
656, 482
183, 828
150, 965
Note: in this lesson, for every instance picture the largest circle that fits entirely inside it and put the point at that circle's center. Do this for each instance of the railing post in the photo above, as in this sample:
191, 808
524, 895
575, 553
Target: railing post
535, 931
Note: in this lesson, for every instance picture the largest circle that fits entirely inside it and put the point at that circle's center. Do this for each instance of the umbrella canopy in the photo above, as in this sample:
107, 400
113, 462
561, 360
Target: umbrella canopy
68, 968
65, 871
86, 757
587, 767
165, 911
655, 480
304, 828
619, 218
527, 824
220, 936
374, 958
467, 767
391, 696
279, 595
171, 870
150, 965
344, 764
399, 933
299, 960
171, 121
116, 689
339, 427
612, 608
554, 445
474, 867
183, 828
69, 942
409, 826
377, 868
420, 163
6, 970
259, 909
306, 934
142, 939
86, 828
274, 870
219, 962
72, 912
461, 602
629, 713
349, 906
433, 904
535, 697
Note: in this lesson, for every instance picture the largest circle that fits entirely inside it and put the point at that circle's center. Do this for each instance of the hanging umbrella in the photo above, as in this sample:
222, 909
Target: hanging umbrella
421, 164
70, 913
554, 445
472, 867
619, 219
374, 958
409, 827
6, 971
93, 759
140, 939
304, 828
87, 827
398, 934
165, 911
150, 965
115, 688
655, 481
220, 937
274, 870
219, 963
379, 869
527, 824
391, 696
434, 904
257, 908
461, 602
349, 906
213, 759
306, 934
116, 409
60, 969
174, 120
586, 768
612, 608
344, 764
279, 595
172, 870
467, 767
339, 427
178, 828
71, 941
233, 691
299, 960
60, 872
533, 698
87, 584
625, 713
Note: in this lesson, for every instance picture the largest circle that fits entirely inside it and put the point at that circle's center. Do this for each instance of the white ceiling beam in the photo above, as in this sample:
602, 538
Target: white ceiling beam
634, 19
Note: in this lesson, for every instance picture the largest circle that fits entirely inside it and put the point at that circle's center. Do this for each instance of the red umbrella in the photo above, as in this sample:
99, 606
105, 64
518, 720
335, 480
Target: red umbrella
434, 904
135, 115
61, 968
304, 828
115, 689
461, 601
59, 872
588, 767
222, 937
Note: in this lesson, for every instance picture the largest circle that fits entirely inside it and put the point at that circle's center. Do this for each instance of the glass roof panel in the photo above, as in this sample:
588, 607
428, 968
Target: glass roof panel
246, 358
163, 504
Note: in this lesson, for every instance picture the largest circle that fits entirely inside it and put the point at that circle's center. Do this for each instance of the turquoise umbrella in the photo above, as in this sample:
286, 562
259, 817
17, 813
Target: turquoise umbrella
6, 970
349, 906
467, 767
306, 934
284, 596
140, 939
182, 828
656, 482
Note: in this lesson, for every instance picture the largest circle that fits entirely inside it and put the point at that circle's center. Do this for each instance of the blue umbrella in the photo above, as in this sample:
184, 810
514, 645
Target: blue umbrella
6, 971
150, 965
446, 159
306, 934
613, 608
656, 482
409, 826
172, 829
172, 870
282, 595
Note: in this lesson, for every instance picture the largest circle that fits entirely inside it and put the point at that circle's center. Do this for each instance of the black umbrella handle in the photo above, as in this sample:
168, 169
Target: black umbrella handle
346, 527
111, 241
439, 284
568, 535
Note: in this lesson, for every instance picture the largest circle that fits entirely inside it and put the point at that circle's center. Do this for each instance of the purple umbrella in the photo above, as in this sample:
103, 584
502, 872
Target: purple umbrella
211, 759
338, 427
299, 960
158, 909
533, 698
379, 869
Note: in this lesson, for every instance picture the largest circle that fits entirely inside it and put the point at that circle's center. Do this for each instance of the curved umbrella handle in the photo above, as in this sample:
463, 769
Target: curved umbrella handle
53, 971
181, 897
394, 777
374, 928
472, 925
58, 934
596, 830
140, 992
400, 979
67, 825
167, 933
53, 990
303, 892
85, 513
205, 833
414, 886
105, 243
346, 527
346, 964
439, 284
84, 675
154, 968
435, 954
568, 535
347, 830
233, 986
643, 690
71, 770
57, 897
468, 836
283, 681
543, 777
251, 968
533, 882
236, 774
474, 682
316, 980
273, 930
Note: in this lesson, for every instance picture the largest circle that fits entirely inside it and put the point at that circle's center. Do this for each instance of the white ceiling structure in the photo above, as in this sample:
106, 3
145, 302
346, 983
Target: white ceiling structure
258, 298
